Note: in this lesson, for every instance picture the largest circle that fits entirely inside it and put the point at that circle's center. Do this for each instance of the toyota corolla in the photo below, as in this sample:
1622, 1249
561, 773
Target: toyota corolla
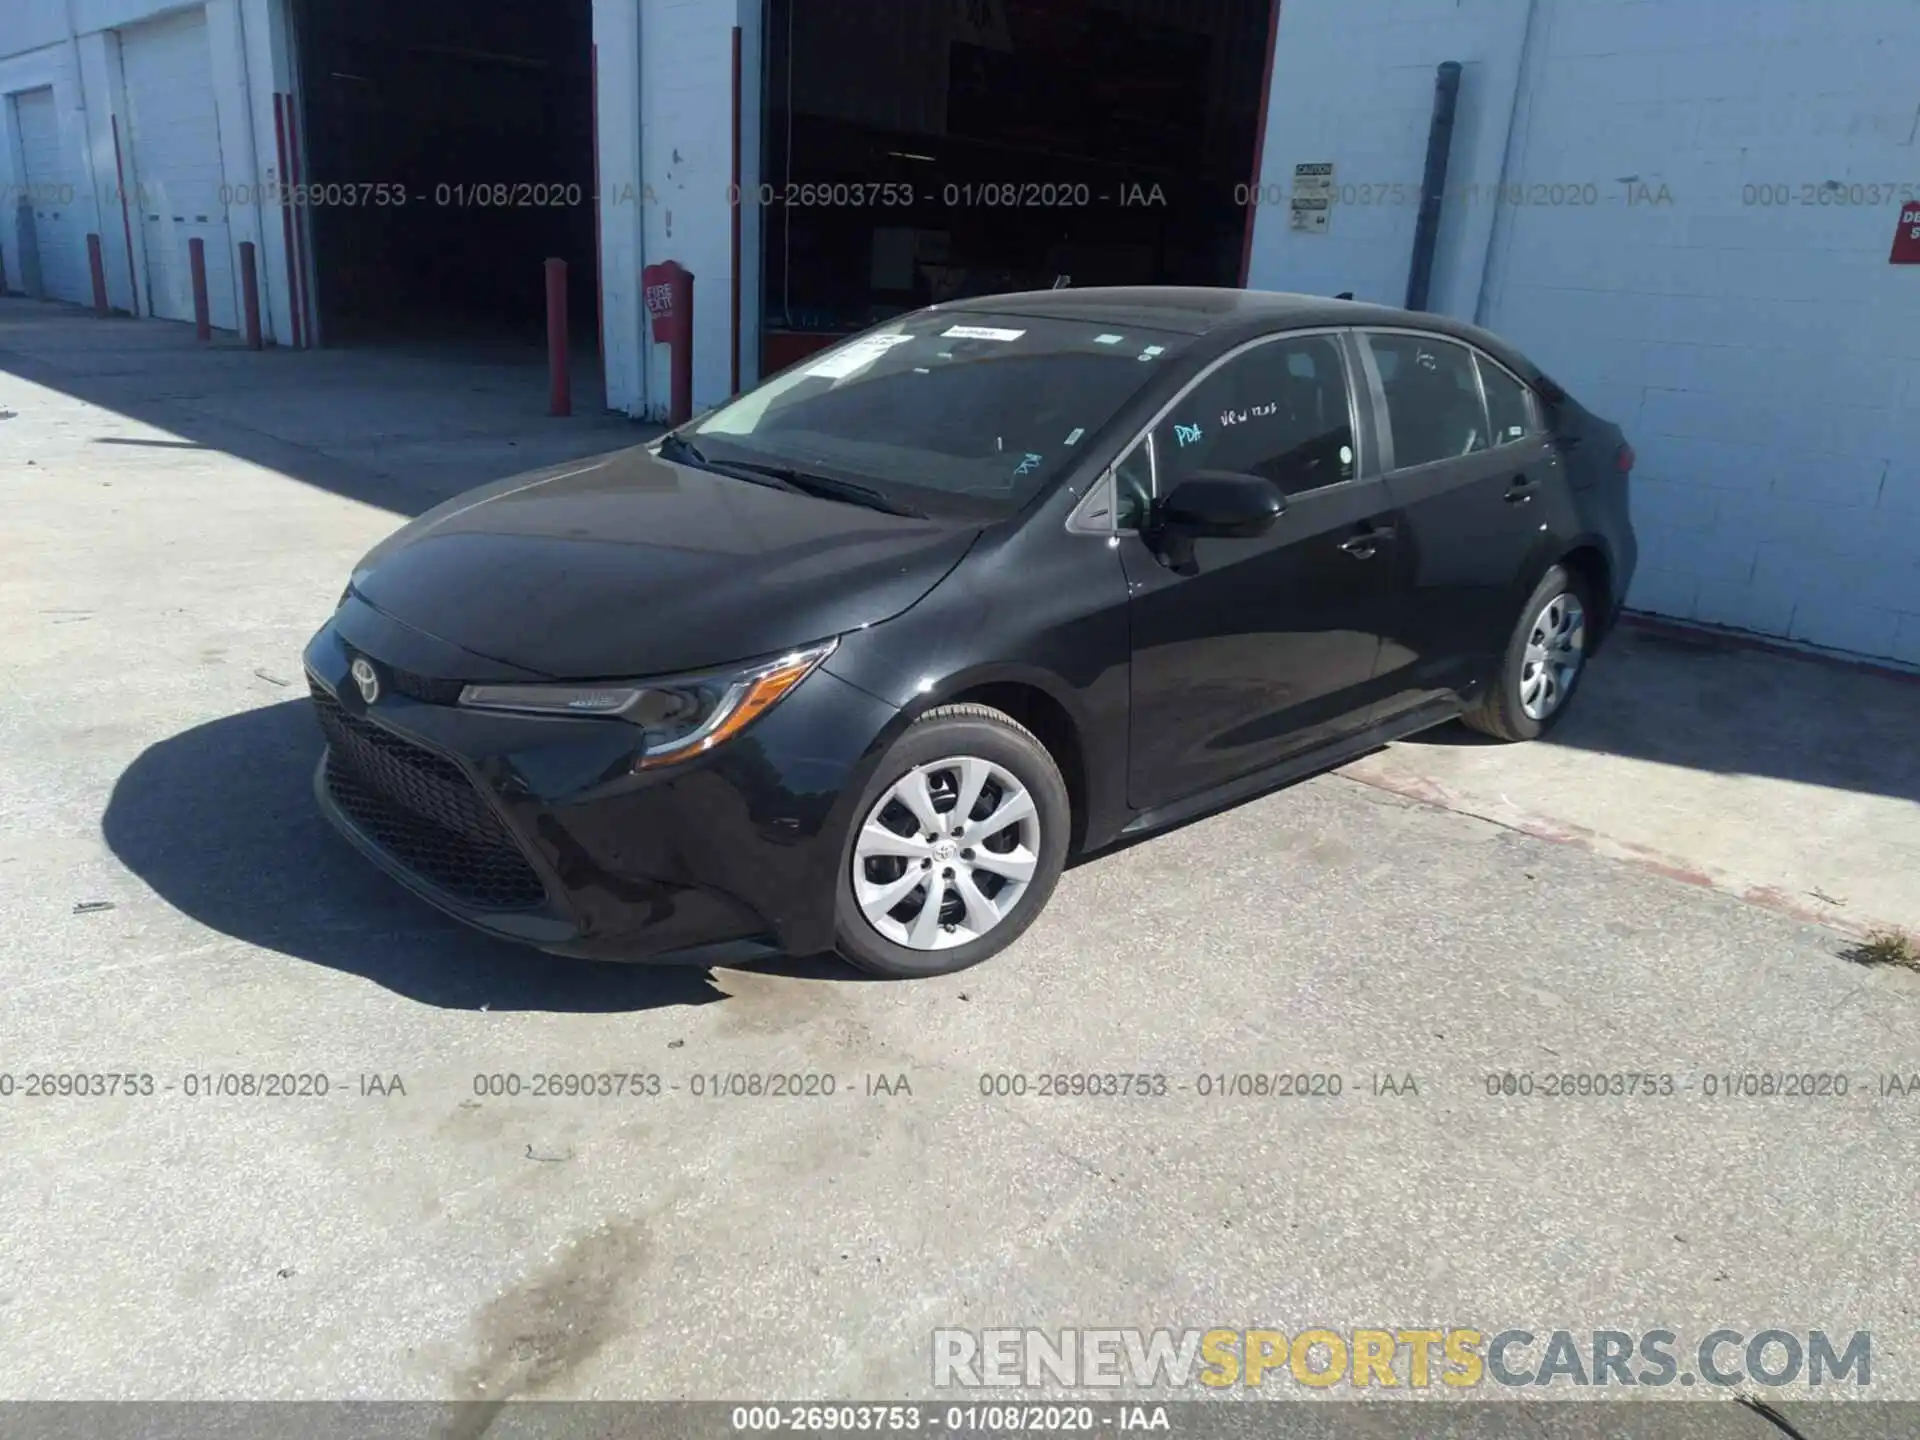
858, 660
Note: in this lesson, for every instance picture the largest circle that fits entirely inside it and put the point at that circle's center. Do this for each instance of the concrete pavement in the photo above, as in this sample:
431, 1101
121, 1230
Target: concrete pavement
170, 907
1791, 782
400, 428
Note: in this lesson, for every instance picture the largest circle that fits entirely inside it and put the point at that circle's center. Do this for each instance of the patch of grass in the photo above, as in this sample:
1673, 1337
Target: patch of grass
1886, 947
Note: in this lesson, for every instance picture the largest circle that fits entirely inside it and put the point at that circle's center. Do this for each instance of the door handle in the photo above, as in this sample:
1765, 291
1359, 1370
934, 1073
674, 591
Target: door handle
1366, 544
1521, 491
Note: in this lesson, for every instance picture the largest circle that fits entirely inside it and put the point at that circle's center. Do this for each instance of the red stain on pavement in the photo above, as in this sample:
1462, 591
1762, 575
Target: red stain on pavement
1627, 852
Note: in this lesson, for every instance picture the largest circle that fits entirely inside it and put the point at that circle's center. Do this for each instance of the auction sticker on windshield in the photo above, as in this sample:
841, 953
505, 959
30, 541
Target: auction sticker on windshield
980, 332
857, 356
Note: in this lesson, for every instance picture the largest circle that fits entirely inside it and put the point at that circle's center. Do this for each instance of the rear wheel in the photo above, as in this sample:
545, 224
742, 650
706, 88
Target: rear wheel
955, 848
1545, 659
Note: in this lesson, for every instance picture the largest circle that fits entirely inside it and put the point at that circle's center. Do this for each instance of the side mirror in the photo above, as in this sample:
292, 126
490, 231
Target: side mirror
1221, 504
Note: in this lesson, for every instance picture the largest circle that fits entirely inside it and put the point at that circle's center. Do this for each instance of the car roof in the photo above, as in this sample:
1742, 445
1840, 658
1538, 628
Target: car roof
1228, 314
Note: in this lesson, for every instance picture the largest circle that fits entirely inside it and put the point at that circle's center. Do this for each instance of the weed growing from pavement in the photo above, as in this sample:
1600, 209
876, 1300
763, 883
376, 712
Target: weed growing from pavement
1886, 947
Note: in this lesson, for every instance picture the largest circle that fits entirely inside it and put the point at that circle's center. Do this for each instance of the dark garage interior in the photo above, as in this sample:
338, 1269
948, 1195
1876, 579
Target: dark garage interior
481, 113
916, 150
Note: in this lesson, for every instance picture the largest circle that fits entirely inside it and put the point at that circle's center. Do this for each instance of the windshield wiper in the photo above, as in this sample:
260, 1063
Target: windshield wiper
828, 488
685, 447
784, 477
687, 452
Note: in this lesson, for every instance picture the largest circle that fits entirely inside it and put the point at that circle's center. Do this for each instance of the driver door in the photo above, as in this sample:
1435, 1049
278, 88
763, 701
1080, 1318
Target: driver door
1252, 651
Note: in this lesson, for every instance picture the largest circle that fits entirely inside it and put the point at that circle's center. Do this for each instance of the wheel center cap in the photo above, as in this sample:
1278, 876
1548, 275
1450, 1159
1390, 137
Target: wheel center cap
945, 850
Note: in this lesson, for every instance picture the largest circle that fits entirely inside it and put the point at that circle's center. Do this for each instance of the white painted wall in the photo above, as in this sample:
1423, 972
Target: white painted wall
75, 48
666, 158
1765, 360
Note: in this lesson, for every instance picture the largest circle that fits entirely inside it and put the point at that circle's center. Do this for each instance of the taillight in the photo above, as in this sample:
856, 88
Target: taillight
1623, 458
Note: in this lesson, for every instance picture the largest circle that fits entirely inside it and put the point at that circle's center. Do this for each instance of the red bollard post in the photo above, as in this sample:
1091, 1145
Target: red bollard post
250, 293
197, 268
97, 263
560, 388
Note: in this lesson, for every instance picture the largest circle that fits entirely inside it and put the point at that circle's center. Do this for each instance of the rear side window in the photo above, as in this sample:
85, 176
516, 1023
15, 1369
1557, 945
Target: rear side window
1433, 398
1508, 415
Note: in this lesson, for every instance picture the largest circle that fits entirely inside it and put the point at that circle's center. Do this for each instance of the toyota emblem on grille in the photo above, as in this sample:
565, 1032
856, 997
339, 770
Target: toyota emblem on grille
363, 675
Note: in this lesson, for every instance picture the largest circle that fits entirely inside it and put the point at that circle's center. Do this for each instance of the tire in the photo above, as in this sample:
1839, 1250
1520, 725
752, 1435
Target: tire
1503, 710
949, 747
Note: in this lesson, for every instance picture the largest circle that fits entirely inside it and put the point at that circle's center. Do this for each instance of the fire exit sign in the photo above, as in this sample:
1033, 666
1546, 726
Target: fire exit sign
1906, 240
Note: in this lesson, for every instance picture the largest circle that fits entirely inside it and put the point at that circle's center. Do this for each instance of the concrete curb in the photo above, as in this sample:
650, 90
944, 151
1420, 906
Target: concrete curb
1642, 857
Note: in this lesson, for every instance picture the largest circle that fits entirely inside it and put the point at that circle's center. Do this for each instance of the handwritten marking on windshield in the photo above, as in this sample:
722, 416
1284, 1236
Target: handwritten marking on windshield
1186, 435
1027, 464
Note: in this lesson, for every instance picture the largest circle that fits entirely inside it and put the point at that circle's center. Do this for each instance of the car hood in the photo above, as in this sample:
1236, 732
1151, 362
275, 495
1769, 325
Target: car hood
630, 566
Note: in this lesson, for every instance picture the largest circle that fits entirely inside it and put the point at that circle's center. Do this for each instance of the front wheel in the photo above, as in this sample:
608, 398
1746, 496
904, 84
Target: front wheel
955, 848
1545, 659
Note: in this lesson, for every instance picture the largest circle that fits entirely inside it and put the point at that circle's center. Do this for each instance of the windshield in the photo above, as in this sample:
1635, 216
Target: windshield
944, 411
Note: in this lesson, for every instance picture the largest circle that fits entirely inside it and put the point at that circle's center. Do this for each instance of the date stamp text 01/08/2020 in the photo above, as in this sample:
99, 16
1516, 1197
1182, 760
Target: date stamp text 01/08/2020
1780, 1084
841, 195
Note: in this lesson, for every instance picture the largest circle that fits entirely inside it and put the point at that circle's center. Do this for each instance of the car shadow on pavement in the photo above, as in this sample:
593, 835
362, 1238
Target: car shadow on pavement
220, 821
400, 427
1699, 701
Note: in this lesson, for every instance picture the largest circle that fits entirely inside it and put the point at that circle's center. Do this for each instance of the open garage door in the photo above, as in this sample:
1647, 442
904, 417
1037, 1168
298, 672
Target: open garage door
176, 179
472, 121
919, 152
45, 223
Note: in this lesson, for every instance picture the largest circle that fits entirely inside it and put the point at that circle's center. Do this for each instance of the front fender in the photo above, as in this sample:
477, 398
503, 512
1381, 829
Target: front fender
1049, 616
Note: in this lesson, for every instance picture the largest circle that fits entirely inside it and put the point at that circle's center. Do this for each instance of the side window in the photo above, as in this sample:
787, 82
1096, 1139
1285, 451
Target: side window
1278, 411
1433, 398
1133, 487
1508, 415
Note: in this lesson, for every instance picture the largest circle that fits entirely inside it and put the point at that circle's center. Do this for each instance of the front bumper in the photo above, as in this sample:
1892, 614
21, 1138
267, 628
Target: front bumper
536, 829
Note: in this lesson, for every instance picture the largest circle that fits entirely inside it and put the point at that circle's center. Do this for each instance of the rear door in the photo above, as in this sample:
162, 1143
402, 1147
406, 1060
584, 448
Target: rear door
1255, 649
1471, 490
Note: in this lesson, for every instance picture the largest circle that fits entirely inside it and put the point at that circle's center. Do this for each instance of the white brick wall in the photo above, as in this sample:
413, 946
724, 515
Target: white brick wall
1764, 360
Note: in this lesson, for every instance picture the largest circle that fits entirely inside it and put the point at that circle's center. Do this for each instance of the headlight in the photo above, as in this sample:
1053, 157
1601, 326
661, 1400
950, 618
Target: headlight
683, 716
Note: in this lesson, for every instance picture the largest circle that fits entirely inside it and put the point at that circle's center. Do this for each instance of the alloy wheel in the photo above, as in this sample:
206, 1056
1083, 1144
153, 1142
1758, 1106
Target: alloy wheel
946, 853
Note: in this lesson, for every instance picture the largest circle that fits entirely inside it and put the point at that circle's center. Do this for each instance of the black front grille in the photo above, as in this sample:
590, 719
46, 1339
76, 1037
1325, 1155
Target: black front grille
426, 688
420, 808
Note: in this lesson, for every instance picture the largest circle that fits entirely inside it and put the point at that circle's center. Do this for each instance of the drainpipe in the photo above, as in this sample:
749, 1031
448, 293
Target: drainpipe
1509, 143
1426, 231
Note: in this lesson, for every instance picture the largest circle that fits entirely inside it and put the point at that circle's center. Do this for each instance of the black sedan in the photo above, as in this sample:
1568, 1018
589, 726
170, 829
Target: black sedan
857, 660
